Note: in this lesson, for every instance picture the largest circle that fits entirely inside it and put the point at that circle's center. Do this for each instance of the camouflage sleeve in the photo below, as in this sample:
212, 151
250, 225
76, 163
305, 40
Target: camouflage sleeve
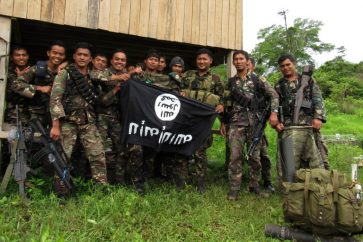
101, 76
318, 103
185, 81
108, 98
218, 88
56, 96
22, 84
271, 93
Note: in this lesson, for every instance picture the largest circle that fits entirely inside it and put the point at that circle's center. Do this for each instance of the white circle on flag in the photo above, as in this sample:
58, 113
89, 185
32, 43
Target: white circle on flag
167, 106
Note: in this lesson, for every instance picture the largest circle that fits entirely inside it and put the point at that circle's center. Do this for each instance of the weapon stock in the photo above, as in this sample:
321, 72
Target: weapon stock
306, 76
286, 233
54, 153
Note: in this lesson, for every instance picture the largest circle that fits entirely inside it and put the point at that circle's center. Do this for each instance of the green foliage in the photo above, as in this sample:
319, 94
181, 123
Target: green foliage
300, 40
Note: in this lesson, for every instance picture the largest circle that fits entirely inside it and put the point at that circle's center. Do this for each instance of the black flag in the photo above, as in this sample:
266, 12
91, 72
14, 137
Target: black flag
163, 120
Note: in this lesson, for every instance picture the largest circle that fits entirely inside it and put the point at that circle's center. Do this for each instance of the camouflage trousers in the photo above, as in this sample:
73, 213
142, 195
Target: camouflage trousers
323, 148
239, 136
110, 131
265, 161
305, 153
92, 143
200, 157
135, 163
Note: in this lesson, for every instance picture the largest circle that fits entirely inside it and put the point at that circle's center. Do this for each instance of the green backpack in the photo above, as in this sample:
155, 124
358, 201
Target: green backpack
323, 202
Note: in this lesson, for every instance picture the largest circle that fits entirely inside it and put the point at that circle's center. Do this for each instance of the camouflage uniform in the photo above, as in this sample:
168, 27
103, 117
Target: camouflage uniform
306, 153
247, 95
37, 102
208, 89
78, 119
109, 126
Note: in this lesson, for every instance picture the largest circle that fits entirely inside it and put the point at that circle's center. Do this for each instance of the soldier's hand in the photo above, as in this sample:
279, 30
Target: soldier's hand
273, 119
62, 66
219, 108
279, 127
223, 130
55, 133
44, 89
317, 124
19, 72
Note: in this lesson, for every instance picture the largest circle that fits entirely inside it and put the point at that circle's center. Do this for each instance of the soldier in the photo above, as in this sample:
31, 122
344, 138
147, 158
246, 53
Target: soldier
305, 150
35, 85
72, 106
109, 120
265, 159
206, 87
162, 64
248, 93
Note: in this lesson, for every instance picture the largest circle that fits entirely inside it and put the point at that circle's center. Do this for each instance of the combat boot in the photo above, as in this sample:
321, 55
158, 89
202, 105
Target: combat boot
140, 188
59, 187
201, 185
268, 185
232, 195
255, 189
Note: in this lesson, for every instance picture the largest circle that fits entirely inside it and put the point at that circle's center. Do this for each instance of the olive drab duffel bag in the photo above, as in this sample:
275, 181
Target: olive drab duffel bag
323, 202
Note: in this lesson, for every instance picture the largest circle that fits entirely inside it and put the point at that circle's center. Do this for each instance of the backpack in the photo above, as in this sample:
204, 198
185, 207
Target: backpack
323, 202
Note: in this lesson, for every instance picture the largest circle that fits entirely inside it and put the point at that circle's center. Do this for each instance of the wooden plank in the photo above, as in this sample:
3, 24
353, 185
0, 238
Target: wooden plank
93, 12
218, 23
82, 13
225, 28
46, 11
70, 15
211, 22
134, 17
232, 25
195, 22
104, 14
171, 19
59, 11
34, 8
239, 25
153, 19
162, 18
115, 11
20, 8
188, 14
144, 18
179, 21
5, 33
124, 25
203, 22
6, 7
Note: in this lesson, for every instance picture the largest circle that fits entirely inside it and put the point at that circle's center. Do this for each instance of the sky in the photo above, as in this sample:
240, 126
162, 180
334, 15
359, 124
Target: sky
342, 22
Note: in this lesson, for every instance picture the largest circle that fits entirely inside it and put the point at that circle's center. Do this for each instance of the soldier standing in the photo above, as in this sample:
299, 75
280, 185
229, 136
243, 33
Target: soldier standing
200, 84
72, 106
312, 113
247, 92
109, 120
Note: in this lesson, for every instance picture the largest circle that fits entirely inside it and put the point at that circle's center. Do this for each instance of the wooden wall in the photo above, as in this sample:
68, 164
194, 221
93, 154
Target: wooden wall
215, 23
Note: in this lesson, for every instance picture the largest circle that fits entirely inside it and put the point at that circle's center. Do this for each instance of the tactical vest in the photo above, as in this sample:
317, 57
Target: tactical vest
40, 101
288, 97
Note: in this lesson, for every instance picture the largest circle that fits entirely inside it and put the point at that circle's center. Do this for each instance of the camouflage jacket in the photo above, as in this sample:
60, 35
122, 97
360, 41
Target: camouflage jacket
313, 105
108, 99
160, 80
25, 86
68, 103
249, 96
207, 88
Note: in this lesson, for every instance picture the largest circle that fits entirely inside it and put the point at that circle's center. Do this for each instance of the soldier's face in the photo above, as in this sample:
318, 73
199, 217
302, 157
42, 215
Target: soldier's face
99, 63
162, 64
204, 61
20, 58
287, 68
240, 62
56, 54
177, 68
151, 63
250, 66
118, 61
82, 57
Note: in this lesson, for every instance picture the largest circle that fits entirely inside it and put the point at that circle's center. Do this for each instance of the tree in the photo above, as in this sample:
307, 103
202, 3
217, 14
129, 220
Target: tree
301, 40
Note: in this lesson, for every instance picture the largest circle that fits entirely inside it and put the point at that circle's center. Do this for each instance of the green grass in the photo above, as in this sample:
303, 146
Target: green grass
164, 214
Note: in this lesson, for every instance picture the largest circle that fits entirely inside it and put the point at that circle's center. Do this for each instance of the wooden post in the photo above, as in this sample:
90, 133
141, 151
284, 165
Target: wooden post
231, 70
5, 30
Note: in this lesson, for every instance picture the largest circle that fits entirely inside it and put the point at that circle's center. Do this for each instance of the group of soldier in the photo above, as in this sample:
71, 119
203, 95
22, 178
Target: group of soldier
78, 102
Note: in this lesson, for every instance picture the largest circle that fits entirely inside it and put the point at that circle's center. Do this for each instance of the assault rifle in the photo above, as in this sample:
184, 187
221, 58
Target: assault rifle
55, 154
259, 129
18, 162
285, 233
